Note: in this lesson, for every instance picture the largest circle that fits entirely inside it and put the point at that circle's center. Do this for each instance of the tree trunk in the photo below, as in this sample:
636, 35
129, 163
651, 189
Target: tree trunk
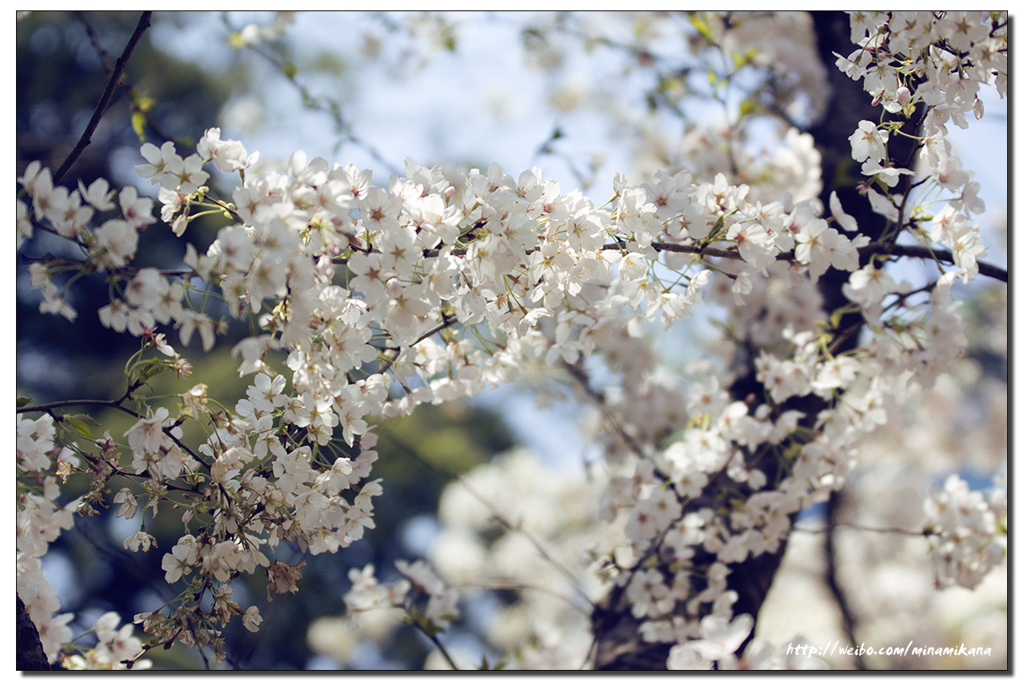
30, 654
618, 645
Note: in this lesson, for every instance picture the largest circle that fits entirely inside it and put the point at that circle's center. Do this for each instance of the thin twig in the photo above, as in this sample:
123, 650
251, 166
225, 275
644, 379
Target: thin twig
519, 587
577, 372
437, 642
332, 108
115, 404
108, 93
100, 52
444, 324
854, 526
60, 404
448, 475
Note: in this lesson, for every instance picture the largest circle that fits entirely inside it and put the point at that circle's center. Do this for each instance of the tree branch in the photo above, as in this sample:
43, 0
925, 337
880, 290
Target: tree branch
831, 576
432, 636
706, 251
925, 253
115, 404
127, 87
922, 252
60, 404
108, 93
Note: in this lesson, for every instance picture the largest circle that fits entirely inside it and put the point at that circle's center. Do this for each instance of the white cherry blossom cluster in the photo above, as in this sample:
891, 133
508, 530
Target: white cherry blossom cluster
951, 53
114, 646
938, 60
264, 488
966, 531
40, 521
720, 638
890, 574
434, 616
664, 490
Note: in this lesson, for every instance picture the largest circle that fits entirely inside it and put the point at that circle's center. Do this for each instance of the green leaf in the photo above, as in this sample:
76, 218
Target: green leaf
833, 319
80, 423
741, 59
144, 370
142, 102
747, 107
139, 125
716, 230
486, 665
702, 28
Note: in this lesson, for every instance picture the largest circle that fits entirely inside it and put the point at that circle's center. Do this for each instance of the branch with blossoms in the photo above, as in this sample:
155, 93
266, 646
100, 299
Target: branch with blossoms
381, 298
884, 206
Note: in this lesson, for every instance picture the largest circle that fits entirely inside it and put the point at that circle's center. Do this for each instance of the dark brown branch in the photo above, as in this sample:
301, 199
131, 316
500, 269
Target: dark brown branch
50, 407
898, 250
922, 252
705, 251
432, 636
446, 322
94, 39
108, 93
925, 253
126, 86
831, 576
115, 404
